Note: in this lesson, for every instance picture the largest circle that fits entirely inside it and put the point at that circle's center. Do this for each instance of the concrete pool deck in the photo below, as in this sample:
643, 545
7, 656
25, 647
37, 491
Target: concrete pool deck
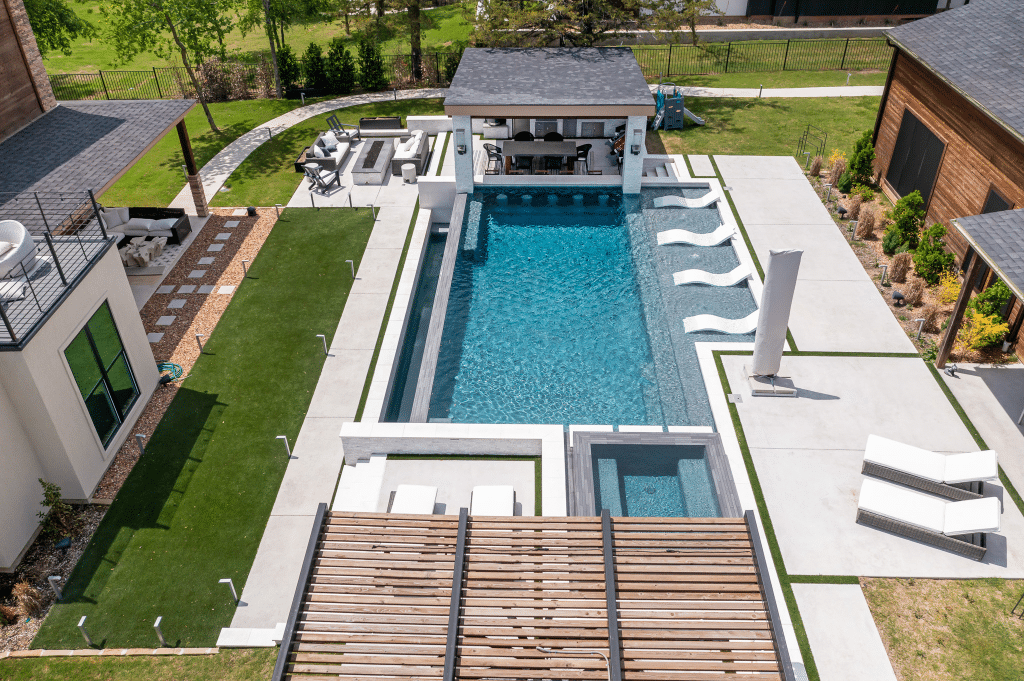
836, 307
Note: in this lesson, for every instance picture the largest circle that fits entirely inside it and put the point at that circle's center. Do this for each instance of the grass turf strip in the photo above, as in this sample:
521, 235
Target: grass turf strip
227, 665
194, 508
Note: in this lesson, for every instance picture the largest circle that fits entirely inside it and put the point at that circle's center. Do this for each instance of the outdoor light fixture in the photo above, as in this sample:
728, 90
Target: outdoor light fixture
461, 146
285, 438
159, 632
53, 579
234, 594
638, 138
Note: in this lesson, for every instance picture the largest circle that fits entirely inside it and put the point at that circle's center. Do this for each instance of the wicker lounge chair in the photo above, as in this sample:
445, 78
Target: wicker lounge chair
493, 500
954, 476
956, 526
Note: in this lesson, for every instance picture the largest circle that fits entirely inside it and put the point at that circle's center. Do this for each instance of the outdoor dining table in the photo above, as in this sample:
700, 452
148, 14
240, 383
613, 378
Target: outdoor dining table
539, 148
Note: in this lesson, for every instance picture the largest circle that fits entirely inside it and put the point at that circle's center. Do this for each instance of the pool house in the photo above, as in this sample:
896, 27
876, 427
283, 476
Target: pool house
549, 116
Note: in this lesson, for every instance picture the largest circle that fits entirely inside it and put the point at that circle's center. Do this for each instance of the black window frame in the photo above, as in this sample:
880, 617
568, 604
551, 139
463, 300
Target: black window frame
104, 381
990, 205
916, 158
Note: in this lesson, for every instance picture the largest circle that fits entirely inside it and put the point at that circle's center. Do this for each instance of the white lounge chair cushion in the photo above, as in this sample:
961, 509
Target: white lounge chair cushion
681, 236
13, 289
414, 499
949, 468
929, 512
497, 500
6, 246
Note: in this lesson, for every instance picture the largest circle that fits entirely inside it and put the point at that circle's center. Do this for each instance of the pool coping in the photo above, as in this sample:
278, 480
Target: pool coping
580, 473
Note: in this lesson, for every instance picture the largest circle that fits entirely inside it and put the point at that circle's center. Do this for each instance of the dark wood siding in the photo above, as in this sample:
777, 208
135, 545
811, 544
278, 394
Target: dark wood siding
979, 156
18, 102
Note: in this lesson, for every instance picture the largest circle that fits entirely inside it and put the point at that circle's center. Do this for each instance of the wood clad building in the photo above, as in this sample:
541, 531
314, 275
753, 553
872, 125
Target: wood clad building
25, 92
951, 123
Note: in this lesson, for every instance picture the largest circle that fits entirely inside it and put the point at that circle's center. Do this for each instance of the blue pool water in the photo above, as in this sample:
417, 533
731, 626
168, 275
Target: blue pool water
562, 310
664, 481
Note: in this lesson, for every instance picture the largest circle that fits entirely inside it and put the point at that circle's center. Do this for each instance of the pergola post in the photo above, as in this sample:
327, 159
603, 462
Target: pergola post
194, 182
633, 154
462, 130
946, 347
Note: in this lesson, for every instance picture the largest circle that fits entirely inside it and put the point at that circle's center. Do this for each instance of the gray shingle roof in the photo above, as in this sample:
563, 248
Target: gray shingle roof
1001, 237
83, 145
979, 50
549, 77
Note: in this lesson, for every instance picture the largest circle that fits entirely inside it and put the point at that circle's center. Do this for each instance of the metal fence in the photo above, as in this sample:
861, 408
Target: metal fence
764, 55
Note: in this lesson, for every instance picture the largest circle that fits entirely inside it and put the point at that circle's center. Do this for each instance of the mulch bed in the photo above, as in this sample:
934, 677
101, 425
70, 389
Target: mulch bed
200, 314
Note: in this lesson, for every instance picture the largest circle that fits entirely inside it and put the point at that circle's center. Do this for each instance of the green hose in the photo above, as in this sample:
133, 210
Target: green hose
175, 369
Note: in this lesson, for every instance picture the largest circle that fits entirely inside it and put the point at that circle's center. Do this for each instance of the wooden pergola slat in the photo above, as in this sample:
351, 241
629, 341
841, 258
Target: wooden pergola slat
441, 598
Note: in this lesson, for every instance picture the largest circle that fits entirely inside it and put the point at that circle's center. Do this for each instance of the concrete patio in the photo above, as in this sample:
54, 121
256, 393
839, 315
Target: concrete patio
808, 453
455, 480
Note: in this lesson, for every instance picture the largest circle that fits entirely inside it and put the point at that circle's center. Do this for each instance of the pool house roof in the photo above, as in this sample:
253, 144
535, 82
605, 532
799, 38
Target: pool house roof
998, 239
414, 597
599, 82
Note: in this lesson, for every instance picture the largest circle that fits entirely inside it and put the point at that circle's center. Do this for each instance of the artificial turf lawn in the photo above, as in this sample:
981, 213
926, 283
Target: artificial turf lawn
227, 665
267, 176
768, 126
194, 508
157, 177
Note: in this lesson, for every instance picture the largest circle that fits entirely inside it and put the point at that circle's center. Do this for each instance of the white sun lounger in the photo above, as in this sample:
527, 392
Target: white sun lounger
495, 500
950, 525
701, 277
682, 202
955, 476
709, 322
681, 236
418, 499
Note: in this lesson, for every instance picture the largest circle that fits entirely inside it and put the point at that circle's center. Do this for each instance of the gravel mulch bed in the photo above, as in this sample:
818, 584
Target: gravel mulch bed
199, 314
41, 561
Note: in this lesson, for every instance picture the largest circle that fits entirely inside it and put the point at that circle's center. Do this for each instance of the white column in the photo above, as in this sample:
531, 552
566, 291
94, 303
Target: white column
462, 142
633, 164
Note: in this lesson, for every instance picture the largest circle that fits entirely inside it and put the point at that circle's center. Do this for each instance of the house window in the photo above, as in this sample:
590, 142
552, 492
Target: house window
995, 203
98, 361
915, 158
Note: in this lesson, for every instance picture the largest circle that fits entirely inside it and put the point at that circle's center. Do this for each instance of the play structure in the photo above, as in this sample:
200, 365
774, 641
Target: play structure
672, 112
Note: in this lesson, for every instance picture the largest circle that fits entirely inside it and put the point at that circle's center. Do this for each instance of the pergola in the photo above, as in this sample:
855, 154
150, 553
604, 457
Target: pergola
386, 597
597, 82
995, 240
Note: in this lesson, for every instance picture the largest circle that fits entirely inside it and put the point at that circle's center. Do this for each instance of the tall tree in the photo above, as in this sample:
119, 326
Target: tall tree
674, 17
529, 23
55, 25
414, 39
261, 13
194, 28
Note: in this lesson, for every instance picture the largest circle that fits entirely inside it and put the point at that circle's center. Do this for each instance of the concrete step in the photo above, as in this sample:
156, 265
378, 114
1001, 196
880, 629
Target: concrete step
359, 487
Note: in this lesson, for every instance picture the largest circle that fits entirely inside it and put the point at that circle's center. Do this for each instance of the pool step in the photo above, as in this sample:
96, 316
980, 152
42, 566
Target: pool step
660, 170
359, 488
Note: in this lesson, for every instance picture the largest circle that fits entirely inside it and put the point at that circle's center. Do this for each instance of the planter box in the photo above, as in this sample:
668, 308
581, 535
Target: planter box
301, 160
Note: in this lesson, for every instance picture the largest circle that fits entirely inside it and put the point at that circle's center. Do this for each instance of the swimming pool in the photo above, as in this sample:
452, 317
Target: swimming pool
562, 310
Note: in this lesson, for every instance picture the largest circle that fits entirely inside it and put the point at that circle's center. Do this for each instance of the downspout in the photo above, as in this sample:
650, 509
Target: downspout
885, 94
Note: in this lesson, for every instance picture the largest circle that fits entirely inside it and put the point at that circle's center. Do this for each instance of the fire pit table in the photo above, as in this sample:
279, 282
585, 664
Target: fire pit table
373, 162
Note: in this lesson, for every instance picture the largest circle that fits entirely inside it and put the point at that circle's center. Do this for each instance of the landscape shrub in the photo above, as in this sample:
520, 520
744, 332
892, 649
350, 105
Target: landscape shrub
836, 171
900, 266
866, 222
816, 166
907, 219
845, 183
931, 258
28, 598
980, 331
452, 59
865, 193
949, 287
862, 161
931, 318
59, 519
314, 68
836, 155
991, 301
8, 614
288, 68
914, 293
853, 210
371, 66
341, 68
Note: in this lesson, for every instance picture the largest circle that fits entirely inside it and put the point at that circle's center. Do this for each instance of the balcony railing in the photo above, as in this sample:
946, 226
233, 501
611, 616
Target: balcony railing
68, 239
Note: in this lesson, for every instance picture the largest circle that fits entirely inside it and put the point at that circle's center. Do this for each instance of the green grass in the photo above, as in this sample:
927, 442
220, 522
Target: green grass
949, 629
775, 79
193, 510
766, 127
227, 665
268, 175
443, 26
157, 177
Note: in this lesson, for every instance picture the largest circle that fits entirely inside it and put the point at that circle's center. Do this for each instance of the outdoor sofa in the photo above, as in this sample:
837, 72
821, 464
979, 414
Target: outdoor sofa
146, 222
411, 149
956, 526
954, 476
328, 151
